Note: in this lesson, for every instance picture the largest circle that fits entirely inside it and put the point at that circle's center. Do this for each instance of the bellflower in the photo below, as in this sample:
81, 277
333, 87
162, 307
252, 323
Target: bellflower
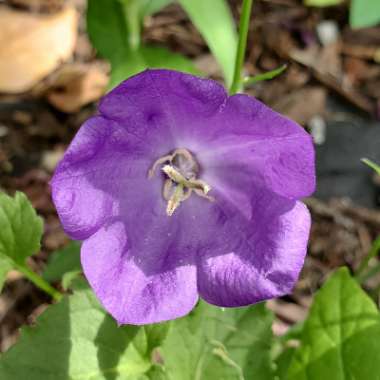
180, 191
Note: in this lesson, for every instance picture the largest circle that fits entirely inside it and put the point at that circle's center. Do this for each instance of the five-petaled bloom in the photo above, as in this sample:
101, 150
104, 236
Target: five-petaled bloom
180, 191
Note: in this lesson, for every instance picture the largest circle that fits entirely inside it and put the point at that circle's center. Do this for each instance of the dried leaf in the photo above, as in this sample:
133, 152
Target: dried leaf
77, 85
33, 45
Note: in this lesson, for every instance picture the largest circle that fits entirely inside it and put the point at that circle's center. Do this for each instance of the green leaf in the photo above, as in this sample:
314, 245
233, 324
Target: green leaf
106, 28
76, 340
249, 81
125, 67
214, 343
214, 21
5, 267
322, 3
133, 16
21, 228
20, 236
153, 6
160, 57
283, 349
364, 13
114, 28
340, 339
150, 57
63, 261
283, 362
69, 278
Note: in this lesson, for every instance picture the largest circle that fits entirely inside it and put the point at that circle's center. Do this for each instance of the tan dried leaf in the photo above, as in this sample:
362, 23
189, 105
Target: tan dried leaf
33, 45
77, 85
38, 5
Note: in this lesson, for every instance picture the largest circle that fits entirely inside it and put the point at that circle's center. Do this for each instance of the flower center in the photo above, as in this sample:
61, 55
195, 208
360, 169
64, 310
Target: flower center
181, 170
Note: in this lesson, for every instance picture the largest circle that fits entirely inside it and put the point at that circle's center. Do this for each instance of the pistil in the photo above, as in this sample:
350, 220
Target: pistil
181, 170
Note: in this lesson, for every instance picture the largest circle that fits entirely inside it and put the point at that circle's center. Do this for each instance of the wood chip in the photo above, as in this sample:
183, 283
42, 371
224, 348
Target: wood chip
302, 104
331, 81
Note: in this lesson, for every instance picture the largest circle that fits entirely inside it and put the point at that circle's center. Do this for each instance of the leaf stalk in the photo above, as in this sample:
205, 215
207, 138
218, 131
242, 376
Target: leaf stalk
39, 282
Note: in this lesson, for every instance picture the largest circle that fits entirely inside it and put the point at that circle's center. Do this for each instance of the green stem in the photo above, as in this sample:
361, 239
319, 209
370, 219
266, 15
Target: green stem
371, 164
242, 44
364, 264
39, 282
132, 17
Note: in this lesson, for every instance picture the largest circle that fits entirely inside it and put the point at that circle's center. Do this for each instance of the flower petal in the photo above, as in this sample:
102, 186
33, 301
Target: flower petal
138, 287
101, 175
255, 259
185, 101
243, 244
254, 145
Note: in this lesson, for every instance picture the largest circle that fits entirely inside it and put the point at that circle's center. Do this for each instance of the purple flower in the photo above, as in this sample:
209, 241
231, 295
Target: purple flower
180, 191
